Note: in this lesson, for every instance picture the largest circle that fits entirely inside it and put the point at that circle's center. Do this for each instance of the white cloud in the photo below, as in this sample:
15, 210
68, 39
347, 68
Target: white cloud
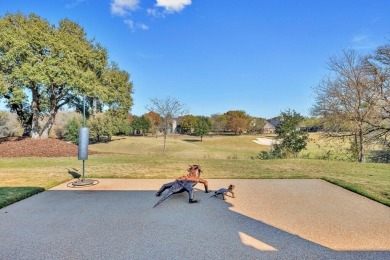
360, 38
126, 8
172, 6
74, 3
123, 7
363, 41
129, 23
154, 12
133, 26
142, 26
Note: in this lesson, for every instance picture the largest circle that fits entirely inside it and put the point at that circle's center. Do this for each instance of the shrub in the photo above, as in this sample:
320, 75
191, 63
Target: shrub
274, 153
379, 156
72, 129
4, 128
9, 125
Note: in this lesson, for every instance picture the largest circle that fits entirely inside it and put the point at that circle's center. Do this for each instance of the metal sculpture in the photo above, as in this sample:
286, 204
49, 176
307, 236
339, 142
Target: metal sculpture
184, 183
224, 192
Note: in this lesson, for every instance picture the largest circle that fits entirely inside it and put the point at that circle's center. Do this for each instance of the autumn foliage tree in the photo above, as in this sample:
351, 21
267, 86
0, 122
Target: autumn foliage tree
187, 123
155, 121
237, 121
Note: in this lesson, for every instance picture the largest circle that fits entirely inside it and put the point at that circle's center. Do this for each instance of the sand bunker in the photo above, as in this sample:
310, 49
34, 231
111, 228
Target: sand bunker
265, 141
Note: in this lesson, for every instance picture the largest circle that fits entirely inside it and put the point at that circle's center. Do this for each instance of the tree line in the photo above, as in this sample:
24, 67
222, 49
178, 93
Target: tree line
234, 121
105, 125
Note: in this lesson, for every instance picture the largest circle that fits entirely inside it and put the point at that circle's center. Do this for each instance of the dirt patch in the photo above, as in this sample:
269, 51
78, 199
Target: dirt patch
27, 147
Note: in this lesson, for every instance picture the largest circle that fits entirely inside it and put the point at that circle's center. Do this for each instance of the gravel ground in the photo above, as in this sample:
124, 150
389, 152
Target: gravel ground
268, 219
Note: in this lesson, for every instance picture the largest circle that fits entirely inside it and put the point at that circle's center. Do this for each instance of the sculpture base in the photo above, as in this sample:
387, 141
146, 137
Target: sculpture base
83, 182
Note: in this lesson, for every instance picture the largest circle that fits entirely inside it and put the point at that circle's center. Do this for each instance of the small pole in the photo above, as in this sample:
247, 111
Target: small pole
83, 169
83, 126
83, 151
84, 111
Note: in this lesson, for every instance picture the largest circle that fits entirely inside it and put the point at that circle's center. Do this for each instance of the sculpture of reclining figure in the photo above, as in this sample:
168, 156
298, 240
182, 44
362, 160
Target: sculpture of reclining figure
177, 187
184, 183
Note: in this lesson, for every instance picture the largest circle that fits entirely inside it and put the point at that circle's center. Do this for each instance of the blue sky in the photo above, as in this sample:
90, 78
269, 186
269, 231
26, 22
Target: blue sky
260, 56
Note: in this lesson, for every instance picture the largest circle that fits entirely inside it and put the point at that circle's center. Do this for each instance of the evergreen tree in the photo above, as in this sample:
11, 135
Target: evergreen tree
72, 129
292, 138
202, 126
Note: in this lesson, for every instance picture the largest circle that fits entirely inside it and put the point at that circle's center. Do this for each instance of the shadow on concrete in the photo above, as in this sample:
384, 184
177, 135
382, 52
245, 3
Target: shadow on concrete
86, 224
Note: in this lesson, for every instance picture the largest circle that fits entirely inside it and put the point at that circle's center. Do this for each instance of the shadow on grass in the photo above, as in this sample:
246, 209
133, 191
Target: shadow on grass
191, 140
10, 195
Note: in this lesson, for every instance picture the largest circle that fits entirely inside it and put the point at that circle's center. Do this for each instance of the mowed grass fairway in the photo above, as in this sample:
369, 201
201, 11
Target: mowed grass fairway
220, 156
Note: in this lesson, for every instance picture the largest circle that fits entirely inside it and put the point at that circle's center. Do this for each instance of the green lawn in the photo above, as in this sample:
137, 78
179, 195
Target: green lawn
220, 156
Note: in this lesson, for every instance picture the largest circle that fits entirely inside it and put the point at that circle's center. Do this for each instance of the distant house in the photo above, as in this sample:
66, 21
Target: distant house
268, 128
173, 127
138, 132
173, 130
271, 125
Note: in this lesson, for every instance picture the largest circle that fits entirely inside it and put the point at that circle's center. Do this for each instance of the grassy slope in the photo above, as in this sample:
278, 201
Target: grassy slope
141, 157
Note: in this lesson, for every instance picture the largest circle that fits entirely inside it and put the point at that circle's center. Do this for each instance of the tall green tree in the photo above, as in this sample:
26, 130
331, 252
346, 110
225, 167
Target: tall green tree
202, 126
99, 127
55, 66
292, 138
141, 123
187, 123
120, 121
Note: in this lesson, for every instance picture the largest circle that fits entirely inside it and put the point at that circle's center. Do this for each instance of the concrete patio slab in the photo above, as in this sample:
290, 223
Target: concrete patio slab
268, 219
